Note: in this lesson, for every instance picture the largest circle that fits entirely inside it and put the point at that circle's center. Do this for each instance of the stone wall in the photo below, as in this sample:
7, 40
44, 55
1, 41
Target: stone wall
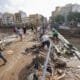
70, 33
6, 29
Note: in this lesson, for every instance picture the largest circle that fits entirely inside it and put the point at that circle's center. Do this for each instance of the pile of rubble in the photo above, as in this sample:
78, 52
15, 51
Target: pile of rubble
57, 68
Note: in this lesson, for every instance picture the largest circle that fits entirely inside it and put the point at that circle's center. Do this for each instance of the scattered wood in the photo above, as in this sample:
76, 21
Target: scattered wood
78, 76
59, 63
61, 77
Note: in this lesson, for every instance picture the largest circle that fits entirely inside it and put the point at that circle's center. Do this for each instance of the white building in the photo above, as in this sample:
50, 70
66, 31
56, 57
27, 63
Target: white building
0, 19
7, 18
20, 17
65, 10
23, 14
0, 15
75, 8
25, 20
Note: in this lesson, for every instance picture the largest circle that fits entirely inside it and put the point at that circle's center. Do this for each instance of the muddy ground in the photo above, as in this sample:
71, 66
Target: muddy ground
18, 62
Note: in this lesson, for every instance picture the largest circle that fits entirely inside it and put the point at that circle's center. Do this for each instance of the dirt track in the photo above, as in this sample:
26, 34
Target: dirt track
16, 60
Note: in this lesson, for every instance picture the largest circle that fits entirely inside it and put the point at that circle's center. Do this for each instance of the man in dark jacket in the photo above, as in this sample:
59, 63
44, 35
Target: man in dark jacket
24, 29
2, 57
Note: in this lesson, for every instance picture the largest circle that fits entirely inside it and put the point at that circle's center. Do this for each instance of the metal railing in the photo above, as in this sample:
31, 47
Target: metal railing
46, 61
65, 42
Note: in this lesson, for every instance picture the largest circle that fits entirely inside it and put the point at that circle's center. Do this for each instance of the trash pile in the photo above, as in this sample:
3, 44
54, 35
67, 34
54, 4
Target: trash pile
57, 68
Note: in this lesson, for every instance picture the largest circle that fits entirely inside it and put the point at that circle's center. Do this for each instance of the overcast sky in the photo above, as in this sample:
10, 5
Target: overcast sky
44, 7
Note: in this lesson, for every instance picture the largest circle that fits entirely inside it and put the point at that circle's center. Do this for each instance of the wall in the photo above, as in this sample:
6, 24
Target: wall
70, 33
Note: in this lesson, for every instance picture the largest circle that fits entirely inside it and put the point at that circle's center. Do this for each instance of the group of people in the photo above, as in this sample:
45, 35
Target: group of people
45, 39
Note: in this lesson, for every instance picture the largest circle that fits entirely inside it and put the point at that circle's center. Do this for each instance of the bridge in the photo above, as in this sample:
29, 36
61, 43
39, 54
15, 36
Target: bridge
19, 59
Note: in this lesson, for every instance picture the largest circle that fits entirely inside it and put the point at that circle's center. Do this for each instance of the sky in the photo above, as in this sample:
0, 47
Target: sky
44, 7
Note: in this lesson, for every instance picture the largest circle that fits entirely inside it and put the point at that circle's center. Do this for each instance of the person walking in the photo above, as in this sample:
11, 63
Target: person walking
24, 30
20, 33
2, 57
16, 31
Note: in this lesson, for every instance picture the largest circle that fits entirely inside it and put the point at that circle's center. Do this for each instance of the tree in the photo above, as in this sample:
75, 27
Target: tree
74, 16
59, 19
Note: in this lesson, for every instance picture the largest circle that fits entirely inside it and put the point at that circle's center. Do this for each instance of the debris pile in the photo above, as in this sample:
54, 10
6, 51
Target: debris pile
57, 68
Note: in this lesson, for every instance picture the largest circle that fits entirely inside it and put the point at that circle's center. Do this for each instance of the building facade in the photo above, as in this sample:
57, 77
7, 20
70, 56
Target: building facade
57, 11
20, 17
37, 19
66, 9
7, 18
0, 19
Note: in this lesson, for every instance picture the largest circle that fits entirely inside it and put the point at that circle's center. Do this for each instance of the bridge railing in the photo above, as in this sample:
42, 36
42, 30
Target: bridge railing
46, 61
65, 43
